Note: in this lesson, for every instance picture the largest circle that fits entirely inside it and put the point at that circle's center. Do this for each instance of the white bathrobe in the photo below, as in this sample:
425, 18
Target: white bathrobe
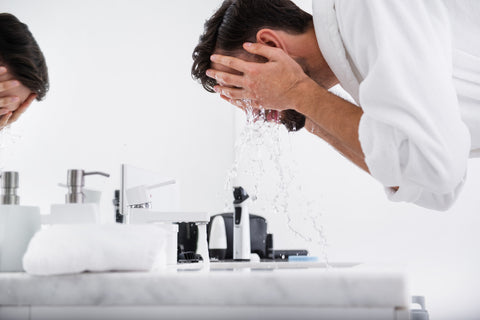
413, 66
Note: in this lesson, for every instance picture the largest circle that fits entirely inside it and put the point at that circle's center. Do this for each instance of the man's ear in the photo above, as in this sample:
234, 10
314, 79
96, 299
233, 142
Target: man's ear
271, 38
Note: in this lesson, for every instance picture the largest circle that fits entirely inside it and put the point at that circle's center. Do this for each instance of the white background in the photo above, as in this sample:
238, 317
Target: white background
121, 92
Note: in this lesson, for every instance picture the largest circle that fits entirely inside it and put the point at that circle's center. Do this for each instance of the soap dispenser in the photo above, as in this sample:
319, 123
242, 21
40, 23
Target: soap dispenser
18, 224
75, 210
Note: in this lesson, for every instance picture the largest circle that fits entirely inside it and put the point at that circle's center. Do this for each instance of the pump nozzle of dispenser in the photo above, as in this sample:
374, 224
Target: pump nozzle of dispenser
9, 185
75, 184
241, 225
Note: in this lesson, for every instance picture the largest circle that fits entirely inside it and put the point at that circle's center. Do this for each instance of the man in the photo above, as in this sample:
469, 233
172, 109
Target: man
23, 71
412, 67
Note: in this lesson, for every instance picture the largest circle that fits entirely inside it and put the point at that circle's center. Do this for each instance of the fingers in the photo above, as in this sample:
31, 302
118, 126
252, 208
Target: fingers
271, 53
7, 101
244, 104
225, 79
6, 85
4, 120
249, 107
23, 107
232, 93
9, 84
236, 103
231, 62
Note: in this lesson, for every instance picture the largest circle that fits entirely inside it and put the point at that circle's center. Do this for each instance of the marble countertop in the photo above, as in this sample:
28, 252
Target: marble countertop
261, 284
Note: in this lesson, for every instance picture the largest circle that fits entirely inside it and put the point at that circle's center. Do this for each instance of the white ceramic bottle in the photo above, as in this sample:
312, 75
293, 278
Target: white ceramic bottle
76, 209
18, 224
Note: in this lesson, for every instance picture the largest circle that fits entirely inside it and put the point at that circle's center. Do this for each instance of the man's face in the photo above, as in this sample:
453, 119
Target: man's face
20, 91
291, 119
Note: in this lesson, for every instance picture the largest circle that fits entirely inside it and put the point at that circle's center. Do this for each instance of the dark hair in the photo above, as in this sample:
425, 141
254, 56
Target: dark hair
238, 21
21, 55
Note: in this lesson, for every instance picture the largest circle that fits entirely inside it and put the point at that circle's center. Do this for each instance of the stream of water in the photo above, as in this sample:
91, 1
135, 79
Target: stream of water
8, 137
266, 167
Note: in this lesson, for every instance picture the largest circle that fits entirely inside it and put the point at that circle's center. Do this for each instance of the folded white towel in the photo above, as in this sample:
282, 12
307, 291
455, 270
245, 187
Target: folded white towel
63, 249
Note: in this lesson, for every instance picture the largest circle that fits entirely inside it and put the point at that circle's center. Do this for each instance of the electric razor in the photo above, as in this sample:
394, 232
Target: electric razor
241, 225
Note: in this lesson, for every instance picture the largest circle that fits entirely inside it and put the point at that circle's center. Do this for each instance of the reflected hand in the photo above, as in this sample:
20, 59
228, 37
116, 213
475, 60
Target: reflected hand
8, 117
21, 109
7, 101
5, 118
272, 85
9, 112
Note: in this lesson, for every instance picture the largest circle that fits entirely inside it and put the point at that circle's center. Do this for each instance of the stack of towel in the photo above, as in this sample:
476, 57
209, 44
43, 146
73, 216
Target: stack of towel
64, 249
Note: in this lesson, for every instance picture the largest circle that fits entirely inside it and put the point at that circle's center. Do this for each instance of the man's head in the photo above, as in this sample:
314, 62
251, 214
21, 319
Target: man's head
239, 21
21, 55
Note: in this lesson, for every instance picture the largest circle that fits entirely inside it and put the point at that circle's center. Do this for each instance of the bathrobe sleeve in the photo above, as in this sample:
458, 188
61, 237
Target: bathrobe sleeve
411, 131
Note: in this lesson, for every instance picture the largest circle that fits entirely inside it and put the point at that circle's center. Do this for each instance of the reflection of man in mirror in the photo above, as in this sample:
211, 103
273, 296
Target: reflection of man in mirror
23, 71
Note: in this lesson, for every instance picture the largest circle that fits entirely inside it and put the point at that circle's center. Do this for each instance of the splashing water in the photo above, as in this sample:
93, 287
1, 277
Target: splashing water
263, 158
8, 138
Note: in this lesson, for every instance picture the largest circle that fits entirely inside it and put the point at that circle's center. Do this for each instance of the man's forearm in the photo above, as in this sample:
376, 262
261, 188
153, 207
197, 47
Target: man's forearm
314, 128
333, 119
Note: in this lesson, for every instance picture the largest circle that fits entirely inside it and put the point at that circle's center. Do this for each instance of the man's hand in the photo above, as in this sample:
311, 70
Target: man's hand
271, 85
7, 102
13, 116
280, 84
9, 112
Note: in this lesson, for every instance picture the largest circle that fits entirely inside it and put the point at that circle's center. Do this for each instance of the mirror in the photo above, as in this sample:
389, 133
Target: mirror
120, 92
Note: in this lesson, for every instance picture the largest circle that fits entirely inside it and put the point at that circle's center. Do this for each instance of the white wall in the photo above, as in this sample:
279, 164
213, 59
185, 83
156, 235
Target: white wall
121, 92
